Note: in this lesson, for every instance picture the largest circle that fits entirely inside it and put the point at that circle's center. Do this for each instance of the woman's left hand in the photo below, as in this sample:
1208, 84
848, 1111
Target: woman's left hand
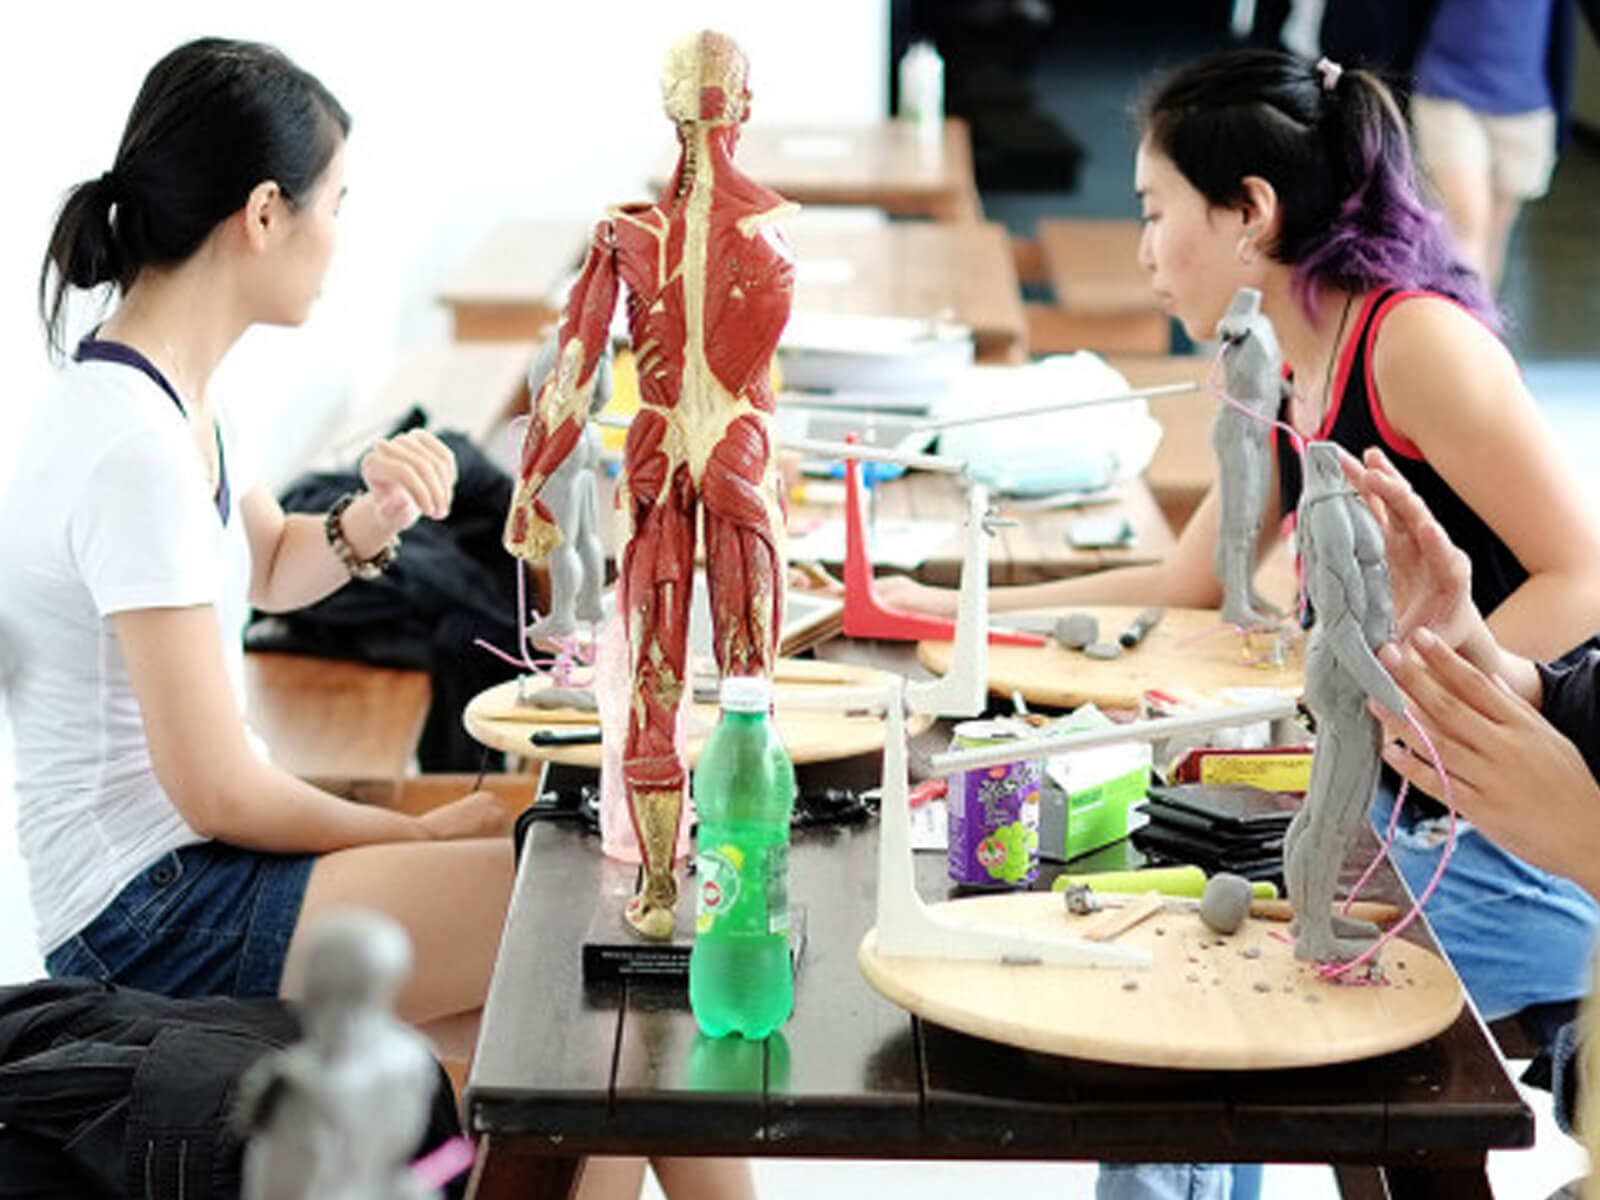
1512, 773
410, 476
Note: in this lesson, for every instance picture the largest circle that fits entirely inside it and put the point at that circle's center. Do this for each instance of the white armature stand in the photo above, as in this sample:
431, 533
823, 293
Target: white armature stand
909, 928
963, 690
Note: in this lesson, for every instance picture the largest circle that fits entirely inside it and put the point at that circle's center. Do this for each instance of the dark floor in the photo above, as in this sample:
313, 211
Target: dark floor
1088, 77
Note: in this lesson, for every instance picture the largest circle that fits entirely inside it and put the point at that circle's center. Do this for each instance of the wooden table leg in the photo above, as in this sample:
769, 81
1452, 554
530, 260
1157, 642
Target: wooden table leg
502, 1173
1438, 1183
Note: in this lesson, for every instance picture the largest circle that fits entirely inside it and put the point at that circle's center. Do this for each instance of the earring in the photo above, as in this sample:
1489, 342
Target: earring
1247, 249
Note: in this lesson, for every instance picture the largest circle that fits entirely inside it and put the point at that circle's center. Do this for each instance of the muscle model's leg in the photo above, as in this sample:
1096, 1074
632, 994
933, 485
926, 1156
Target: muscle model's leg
655, 590
743, 557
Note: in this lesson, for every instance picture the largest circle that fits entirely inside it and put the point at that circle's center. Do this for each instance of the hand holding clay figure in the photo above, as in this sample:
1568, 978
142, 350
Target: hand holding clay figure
1431, 577
1512, 773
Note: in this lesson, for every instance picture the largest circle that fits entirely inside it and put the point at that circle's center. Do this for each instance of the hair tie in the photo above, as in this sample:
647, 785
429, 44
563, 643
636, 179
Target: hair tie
110, 183
1330, 72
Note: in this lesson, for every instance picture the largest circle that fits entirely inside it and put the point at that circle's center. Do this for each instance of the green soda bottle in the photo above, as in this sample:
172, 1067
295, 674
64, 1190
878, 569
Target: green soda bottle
740, 979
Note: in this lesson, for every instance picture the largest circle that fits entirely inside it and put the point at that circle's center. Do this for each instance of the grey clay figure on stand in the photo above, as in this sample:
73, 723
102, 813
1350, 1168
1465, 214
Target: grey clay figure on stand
1253, 376
1347, 582
336, 1116
578, 565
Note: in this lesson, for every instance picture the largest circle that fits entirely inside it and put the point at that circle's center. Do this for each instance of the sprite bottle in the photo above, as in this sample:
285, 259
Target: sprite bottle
740, 978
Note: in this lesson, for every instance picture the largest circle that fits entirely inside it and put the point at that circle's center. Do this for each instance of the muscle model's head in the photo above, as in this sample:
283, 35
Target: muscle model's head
704, 79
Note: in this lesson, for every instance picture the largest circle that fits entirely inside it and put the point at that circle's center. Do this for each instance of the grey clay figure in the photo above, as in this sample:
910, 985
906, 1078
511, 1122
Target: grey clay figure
336, 1116
1253, 375
578, 565
1347, 581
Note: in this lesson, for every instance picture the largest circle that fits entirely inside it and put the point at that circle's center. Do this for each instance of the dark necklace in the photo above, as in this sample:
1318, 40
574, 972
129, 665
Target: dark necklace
1333, 358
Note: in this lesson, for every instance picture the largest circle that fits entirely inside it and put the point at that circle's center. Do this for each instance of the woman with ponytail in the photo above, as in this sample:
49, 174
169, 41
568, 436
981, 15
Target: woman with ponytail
1258, 169
164, 851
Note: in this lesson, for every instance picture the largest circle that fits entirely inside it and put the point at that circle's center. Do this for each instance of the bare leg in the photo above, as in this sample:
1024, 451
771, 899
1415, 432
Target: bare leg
705, 1178
1502, 216
1465, 194
454, 944
611, 1179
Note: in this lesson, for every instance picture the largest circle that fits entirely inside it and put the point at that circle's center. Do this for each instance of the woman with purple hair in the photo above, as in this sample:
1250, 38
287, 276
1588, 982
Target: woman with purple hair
1258, 169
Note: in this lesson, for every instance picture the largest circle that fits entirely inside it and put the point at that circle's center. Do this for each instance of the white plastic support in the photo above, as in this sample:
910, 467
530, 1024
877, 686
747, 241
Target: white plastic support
1153, 730
964, 687
908, 928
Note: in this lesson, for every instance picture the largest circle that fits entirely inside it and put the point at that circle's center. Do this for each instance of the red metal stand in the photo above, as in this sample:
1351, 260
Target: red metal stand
865, 616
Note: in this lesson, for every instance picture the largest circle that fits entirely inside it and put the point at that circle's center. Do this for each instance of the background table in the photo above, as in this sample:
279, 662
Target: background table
954, 272
882, 164
566, 1069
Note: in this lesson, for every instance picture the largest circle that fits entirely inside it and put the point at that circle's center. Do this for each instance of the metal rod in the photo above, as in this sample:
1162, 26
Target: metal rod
925, 462
1166, 389
1148, 731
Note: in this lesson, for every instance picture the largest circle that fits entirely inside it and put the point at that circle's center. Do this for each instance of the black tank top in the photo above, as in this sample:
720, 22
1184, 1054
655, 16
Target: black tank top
1355, 421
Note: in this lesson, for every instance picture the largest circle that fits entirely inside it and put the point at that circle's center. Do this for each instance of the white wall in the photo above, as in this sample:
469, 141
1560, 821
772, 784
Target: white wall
472, 111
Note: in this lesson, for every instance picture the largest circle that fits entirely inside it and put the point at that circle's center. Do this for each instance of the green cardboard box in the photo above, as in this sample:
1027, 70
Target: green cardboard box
1100, 786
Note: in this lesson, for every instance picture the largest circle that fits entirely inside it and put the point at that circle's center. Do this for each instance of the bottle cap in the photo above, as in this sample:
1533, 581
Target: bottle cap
746, 693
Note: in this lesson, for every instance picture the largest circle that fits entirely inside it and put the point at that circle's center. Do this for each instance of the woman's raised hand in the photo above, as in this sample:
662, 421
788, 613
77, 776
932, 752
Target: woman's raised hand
410, 475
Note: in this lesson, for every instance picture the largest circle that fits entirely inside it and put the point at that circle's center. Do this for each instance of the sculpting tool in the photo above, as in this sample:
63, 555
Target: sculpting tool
1142, 624
1376, 911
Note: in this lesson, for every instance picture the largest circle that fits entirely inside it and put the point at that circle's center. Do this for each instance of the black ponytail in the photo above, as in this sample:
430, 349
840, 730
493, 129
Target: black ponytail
213, 119
1334, 146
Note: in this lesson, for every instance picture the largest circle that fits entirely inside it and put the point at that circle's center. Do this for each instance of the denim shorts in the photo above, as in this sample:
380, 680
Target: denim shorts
1517, 935
203, 920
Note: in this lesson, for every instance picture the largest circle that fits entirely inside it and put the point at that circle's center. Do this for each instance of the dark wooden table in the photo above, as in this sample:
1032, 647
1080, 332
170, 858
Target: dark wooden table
564, 1069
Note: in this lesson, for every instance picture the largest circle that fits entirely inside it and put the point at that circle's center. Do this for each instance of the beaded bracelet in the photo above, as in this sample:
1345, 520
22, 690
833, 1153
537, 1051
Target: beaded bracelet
359, 568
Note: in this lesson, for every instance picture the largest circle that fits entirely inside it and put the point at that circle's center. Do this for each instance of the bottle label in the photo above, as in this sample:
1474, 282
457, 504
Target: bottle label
742, 889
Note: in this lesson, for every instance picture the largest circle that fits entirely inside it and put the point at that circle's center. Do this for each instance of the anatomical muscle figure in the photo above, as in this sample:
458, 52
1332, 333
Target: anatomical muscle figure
708, 281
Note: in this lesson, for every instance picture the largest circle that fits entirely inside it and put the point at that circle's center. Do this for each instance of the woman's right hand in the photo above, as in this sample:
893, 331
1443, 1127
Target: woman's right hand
1430, 574
475, 815
901, 591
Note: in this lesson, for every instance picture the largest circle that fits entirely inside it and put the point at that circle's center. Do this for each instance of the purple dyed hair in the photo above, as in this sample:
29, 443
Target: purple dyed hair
1339, 159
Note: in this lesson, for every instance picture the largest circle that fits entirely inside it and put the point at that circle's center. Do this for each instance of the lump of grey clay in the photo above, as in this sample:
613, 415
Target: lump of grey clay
1226, 902
1102, 650
580, 699
1077, 630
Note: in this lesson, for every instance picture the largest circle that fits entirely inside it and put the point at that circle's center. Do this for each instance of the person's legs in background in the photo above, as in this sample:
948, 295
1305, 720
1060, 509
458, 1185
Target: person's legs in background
1483, 169
1178, 1181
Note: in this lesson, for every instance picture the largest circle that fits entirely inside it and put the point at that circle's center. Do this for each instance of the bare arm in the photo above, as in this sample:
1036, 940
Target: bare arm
1432, 577
214, 779
291, 564
1454, 391
1186, 578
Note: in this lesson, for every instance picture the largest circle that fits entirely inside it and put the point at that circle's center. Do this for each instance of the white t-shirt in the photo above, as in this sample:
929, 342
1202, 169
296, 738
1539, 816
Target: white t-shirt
108, 510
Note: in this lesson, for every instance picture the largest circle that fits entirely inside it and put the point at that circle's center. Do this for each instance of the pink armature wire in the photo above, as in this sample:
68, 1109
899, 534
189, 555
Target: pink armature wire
1335, 970
444, 1163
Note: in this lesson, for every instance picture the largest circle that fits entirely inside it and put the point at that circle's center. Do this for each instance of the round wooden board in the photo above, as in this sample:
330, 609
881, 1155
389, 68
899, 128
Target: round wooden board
1243, 1004
808, 735
1190, 648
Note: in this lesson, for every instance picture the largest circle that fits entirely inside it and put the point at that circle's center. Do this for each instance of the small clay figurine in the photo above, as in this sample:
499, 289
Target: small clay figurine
1241, 436
1347, 580
337, 1116
578, 563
